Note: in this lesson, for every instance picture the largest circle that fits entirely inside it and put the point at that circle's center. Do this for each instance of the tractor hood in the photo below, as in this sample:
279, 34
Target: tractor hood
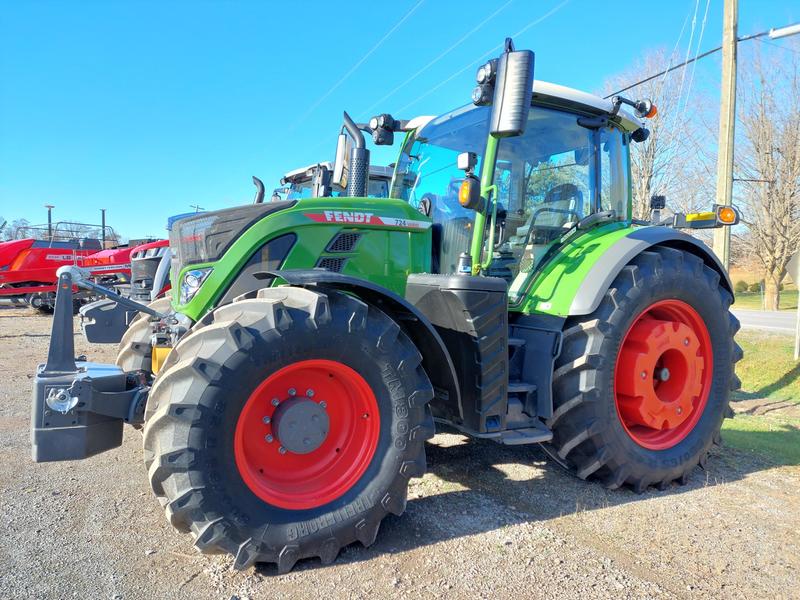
205, 237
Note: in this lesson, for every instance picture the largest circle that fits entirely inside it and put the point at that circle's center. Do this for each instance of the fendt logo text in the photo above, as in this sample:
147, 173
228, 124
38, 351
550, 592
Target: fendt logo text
365, 218
347, 216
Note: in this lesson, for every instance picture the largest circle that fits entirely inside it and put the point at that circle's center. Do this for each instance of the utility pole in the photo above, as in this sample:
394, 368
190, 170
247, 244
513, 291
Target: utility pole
103, 227
727, 124
49, 208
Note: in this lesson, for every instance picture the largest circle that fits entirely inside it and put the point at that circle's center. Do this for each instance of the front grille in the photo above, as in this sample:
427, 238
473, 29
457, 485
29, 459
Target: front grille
332, 264
343, 242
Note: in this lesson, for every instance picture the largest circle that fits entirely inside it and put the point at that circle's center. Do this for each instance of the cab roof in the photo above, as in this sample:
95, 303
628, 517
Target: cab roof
552, 94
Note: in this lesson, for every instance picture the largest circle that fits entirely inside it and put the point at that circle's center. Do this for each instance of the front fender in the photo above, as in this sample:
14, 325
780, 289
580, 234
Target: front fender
436, 359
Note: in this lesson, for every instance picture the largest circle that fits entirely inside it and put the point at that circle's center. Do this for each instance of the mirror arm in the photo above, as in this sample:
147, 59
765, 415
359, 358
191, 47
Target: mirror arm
491, 199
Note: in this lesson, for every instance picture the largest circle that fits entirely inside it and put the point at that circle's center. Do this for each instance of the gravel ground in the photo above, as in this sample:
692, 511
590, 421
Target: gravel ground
486, 521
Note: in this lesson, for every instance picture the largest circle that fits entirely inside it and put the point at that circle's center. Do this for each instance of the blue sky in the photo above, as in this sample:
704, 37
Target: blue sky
146, 108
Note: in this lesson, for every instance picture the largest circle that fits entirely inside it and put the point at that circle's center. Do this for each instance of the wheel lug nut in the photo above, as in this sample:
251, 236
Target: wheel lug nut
685, 341
282, 450
310, 393
269, 438
266, 420
644, 374
275, 402
323, 404
292, 392
679, 411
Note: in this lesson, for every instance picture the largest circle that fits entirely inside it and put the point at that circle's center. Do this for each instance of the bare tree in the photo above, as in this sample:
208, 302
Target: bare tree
17, 229
768, 162
672, 160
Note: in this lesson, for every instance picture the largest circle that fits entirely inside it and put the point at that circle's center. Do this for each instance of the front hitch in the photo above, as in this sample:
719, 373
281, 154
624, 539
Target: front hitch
105, 321
79, 407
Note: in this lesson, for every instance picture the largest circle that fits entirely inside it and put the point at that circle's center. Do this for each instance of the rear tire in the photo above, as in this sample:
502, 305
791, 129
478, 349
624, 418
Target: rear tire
135, 351
202, 405
599, 430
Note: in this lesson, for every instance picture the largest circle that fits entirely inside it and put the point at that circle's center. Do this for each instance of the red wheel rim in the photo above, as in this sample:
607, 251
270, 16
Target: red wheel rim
662, 378
282, 472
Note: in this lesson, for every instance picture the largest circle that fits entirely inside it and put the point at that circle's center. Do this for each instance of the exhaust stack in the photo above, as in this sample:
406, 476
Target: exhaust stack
358, 178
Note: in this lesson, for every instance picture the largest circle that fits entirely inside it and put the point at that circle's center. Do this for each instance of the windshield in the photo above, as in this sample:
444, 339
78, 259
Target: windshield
547, 180
428, 177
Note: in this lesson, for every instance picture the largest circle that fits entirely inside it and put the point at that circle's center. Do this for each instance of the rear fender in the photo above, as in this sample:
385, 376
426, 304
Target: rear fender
603, 272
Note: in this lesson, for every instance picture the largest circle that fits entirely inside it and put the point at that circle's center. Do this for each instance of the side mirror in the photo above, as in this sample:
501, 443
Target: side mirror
341, 163
513, 90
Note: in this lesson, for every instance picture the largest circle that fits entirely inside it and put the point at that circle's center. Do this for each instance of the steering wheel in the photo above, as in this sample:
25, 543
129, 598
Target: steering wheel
562, 191
562, 211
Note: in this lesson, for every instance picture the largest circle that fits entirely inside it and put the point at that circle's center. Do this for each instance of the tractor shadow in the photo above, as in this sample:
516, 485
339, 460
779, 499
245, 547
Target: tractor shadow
479, 486
783, 381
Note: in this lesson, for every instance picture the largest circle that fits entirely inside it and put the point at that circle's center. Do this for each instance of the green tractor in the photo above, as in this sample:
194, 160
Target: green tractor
288, 386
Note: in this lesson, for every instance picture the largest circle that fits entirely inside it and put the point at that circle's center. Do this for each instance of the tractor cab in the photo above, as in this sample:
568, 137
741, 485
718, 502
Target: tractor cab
568, 164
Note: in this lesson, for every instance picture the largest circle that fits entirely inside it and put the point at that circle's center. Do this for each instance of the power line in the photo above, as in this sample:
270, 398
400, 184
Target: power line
694, 65
437, 59
664, 72
752, 36
361, 61
781, 46
688, 49
486, 54
678, 41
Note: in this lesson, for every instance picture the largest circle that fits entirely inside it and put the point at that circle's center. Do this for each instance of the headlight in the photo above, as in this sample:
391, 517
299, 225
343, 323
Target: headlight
191, 282
482, 94
486, 72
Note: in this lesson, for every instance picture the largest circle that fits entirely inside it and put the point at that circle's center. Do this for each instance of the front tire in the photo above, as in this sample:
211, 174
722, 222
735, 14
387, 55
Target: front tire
643, 383
219, 444
135, 349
